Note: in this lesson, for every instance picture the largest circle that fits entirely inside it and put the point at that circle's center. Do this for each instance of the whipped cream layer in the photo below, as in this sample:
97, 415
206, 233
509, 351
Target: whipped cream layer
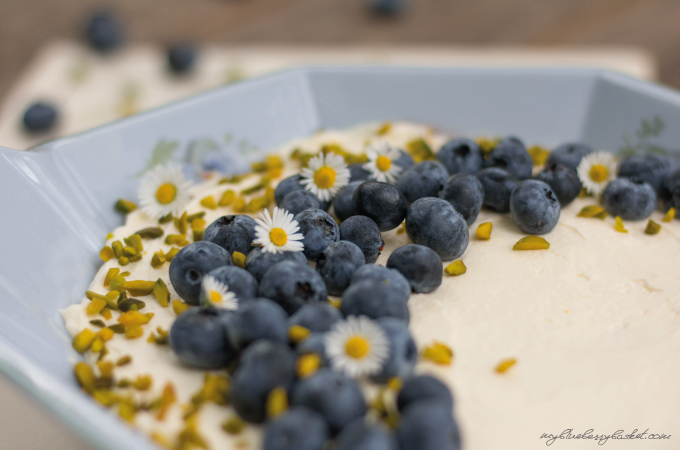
592, 321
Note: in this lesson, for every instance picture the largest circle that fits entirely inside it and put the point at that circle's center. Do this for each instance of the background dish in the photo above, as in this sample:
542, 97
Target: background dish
59, 196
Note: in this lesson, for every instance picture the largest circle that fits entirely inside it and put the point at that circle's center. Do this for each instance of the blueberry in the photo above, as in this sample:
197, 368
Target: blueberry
405, 161
498, 185
387, 7
360, 435
337, 397
191, 263
428, 425
316, 317
342, 203
563, 181
630, 199
433, 222
374, 299
383, 274
423, 387
363, 232
670, 192
239, 281
569, 155
264, 365
258, 262
233, 233
298, 429
422, 180
358, 173
403, 350
382, 202
652, 169
292, 285
298, 201
181, 57
315, 343
534, 207
420, 265
199, 338
465, 193
286, 186
511, 155
337, 263
319, 230
258, 319
103, 32
40, 117
461, 155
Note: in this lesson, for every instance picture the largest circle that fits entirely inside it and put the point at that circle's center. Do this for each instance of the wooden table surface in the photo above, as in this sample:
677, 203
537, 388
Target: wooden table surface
26, 25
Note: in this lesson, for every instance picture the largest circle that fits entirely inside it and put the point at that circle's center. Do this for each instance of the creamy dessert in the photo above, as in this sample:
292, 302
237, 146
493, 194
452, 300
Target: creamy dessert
582, 335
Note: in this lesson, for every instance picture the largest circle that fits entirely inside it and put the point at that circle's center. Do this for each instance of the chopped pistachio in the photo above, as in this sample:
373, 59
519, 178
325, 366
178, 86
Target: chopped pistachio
233, 425
198, 235
114, 271
161, 338
298, 333
173, 239
652, 227
227, 198
135, 241
118, 328
167, 399
239, 259
105, 334
539, 155
253, 189
198, 223
117, 247
184, 243
307, 365
123, 261
182, 224
505, 364
171, 253
438, 353
139, 287
83, 340
127, 411
277, 402
134, 331
484, 231
384, 129
486, 145
131, 304
109, 236
129, 251
209, 202
618, 225
127, 359
150, 232
96, 306
158, 259
85, 376
160, 290
335, 302
395, 383
132, 318
179, 306
97, 345
165, 219
117, 283
125, 206
420, 150
106, 314
142, 383
106, 253
256, 204
531, 243
240, 205
136, 258
98, 323
590, 211
670, 215
456, 268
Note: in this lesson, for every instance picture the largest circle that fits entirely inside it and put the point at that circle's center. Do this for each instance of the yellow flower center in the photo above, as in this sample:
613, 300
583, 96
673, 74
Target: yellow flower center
383, 163
215, 297
598, 173
324, 177
357, 347
278, 237
166, 193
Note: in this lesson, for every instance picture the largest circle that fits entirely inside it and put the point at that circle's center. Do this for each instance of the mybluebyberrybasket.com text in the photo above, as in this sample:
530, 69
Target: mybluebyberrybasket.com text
601, 439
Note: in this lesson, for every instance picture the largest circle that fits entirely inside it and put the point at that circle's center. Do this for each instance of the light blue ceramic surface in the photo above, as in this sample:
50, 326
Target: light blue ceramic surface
57, 199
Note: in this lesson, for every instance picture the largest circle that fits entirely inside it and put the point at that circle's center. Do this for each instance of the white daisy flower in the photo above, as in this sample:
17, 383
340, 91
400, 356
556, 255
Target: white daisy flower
216, 293
357, 346
278, 233
596, 170
163, 191
380, 163
325, 175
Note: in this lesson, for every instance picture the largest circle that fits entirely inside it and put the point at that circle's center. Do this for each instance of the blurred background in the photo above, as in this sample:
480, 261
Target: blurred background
69, 65
122, 67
